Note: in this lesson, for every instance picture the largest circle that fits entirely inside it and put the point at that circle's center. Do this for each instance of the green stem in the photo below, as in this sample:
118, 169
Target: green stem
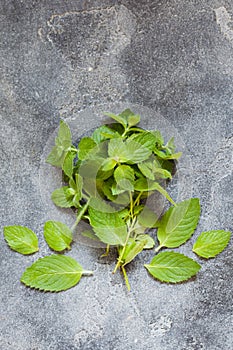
158, 248
80, 214
125, 244
126, 278
106, 252
136, 202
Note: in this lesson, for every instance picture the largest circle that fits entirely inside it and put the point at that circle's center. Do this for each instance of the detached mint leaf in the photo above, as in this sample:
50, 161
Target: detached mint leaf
21, 239
57, 235
172, 267
109, 227
53, 273
211, 243
178, 223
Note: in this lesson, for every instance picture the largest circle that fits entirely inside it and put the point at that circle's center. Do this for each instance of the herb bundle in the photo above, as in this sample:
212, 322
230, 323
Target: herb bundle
109, 178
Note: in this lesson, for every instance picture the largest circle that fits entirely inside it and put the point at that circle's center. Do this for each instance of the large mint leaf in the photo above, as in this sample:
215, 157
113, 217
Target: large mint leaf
172, 267
53, 273
178, 223
211, 243
21, 239
109, 227
57, 235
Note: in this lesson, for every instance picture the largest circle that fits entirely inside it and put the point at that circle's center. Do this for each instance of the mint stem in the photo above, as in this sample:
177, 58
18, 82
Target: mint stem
80, 214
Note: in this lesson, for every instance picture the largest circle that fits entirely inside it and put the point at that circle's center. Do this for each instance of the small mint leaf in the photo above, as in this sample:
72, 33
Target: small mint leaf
57, 235
211, 243
21, 239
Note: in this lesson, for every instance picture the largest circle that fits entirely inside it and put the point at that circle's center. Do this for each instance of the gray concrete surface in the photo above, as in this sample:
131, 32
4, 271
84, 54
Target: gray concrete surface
61, 57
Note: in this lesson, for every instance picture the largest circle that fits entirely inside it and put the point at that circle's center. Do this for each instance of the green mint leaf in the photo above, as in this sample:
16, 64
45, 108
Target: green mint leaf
100, 205
164, 155
146, 169
68, 163
132, 249
63, 142
147, 217
56, 156
116, 150
211, 243
143, 185
53, 273
119, 118
62, 198
172, 267
133, 120
124, 176
178, 223
162, 173
57, 235
136, 152
159, 138
108, 164
21, 239
104, 133
170, 146
127, 152
145, 139
64, 136
150, 243
86, 148
109, 227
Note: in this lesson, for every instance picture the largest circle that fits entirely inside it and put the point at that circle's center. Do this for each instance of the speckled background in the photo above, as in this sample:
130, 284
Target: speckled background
59, 58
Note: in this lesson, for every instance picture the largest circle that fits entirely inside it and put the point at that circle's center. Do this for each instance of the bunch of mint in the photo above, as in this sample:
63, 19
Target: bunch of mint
108, 180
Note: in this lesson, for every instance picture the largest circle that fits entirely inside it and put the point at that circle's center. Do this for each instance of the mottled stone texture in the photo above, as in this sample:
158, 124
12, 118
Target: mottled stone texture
61, 57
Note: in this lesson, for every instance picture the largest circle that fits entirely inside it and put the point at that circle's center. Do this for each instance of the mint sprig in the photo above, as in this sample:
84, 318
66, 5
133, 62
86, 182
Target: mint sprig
109, 177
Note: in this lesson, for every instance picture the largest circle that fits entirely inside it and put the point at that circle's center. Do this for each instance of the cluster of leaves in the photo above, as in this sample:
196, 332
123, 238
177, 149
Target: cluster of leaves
108, 179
